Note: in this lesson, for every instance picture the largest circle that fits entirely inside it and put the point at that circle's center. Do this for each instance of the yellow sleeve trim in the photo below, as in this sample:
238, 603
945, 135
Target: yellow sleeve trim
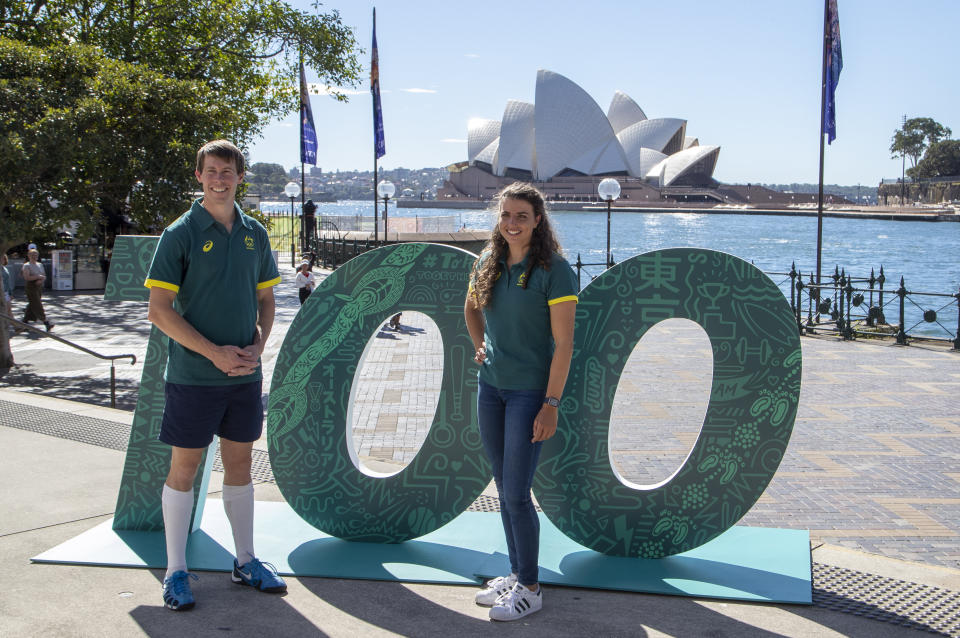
156, 283
268, 284
553, 302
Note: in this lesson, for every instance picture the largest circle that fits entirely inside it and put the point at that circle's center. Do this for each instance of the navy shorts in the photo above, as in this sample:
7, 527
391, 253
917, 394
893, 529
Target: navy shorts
194, 413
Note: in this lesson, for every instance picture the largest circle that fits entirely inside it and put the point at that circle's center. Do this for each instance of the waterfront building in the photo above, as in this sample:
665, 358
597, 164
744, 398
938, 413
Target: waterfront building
566, 144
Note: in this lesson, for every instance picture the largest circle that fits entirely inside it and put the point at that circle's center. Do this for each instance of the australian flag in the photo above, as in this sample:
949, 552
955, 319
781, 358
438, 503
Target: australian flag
834, 66
379, 147
308, 133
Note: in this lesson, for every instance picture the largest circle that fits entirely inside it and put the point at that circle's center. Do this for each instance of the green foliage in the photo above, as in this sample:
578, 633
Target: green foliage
915, 136
82, 135
942, 159
265, 177
105, 103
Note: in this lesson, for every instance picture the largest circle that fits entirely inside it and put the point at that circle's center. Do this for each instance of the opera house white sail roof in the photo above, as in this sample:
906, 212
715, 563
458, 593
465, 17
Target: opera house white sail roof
565, 132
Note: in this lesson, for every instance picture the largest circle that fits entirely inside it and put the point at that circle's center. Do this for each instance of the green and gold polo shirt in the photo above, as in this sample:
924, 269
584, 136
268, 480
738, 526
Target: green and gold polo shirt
216, 276
517, 324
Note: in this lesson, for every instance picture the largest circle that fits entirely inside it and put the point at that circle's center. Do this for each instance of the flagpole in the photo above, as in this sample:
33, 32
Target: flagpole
823, 116
373, 101
303, 183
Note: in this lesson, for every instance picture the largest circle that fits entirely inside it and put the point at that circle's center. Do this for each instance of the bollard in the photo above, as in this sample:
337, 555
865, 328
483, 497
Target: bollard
849, 334
901, 333
956, 340
799, 285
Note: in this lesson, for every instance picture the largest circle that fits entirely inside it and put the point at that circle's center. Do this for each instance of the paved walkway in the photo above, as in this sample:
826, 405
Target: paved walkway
872, 469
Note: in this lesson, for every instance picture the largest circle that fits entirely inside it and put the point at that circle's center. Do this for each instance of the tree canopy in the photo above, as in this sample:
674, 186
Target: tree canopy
83, 135
915, 136
106, 103
942, 159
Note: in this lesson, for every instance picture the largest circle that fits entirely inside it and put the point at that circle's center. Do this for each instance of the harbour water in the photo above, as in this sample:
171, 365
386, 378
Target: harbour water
923, 253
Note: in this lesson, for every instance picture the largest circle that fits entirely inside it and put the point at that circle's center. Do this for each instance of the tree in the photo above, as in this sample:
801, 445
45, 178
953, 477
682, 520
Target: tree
214, 68
244, 51
942, 159
81, 135
915, 136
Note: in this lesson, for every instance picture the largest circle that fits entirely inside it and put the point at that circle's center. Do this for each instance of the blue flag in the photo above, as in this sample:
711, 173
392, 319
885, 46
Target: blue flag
834, 66
308, 133
379, 147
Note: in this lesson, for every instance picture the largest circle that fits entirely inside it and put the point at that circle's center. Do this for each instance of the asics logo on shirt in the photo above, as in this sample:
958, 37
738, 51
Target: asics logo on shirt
208, 245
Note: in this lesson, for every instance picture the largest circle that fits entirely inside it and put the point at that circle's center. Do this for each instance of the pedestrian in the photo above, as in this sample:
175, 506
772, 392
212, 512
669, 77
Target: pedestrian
34, 275
216, 263
519, 312
6, 306
305, 281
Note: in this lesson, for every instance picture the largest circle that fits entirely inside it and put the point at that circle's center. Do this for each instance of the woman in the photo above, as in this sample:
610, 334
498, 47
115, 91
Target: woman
305, 281
34, 275
519, 312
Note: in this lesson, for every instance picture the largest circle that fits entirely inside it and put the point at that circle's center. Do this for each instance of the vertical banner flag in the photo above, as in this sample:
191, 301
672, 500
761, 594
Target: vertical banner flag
308, 133
379, 146
834, 65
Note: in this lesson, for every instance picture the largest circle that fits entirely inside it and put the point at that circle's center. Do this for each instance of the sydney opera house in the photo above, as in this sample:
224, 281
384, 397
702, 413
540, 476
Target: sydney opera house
566, 144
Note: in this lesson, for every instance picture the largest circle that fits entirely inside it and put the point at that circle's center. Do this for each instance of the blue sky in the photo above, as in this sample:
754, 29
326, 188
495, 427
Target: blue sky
745, 74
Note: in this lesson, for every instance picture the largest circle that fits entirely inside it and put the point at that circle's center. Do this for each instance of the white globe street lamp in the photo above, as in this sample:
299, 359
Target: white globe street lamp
292, 189
385, 189
609, 190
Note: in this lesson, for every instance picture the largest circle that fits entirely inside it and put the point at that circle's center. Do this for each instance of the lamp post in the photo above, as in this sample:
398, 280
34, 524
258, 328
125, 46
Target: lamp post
609, 190
292, 189
385, 189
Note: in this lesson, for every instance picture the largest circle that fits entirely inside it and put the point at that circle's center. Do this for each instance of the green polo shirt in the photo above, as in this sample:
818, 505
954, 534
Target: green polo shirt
517, 324
216, 276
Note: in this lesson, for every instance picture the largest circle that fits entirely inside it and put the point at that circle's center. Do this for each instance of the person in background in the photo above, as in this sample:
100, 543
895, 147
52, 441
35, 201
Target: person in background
305, 281
5, 300
519, 312
34, 275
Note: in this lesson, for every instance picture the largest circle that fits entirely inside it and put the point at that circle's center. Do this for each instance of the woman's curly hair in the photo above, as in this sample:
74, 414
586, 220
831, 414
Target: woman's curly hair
543, 243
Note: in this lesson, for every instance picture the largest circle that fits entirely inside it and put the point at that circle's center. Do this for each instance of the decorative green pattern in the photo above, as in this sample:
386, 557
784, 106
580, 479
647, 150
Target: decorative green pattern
147, 460
753, 404
310, 393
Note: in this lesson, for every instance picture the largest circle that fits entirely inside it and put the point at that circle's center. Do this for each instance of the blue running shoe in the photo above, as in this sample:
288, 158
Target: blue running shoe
176, 591
258, 574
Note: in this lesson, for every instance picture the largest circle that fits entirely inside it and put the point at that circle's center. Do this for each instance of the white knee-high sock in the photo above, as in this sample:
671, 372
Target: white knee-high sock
238, 504
177, 507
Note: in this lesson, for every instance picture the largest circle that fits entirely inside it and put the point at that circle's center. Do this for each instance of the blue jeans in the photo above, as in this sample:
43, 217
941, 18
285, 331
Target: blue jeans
506, 427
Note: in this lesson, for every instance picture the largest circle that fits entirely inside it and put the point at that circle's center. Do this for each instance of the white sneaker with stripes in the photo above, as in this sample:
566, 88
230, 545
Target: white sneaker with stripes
494, 589
517, 603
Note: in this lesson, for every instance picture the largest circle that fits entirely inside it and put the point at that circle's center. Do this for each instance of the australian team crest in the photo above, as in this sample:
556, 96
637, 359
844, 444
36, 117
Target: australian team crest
248, 242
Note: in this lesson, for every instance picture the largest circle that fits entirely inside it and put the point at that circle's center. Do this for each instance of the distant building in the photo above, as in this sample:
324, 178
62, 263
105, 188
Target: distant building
566, 144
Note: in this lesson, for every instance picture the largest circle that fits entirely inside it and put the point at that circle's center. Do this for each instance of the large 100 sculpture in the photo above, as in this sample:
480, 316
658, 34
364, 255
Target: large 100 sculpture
752, 407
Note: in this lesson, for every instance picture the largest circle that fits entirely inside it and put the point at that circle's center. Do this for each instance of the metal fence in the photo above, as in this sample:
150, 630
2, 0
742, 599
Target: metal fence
843, 305
852, 307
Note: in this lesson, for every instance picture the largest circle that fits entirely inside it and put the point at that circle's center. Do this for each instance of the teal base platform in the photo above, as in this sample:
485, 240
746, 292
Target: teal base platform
744, 563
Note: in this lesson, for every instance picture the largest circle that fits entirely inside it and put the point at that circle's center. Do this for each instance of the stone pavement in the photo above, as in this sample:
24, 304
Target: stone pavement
872, 469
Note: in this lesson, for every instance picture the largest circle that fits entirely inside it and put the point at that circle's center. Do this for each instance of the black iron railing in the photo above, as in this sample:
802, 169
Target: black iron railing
852, 307
19, 325
847, 306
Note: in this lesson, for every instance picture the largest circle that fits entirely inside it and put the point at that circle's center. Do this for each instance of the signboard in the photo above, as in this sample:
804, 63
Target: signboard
62, 267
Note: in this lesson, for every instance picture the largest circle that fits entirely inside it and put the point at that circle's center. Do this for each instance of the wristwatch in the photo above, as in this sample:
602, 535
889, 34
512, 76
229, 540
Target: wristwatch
552, 401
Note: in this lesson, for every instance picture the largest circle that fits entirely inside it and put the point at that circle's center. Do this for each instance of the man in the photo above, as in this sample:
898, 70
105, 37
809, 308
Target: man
215, 264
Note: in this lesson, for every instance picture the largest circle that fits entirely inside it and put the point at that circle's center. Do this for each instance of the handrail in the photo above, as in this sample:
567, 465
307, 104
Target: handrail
107, 357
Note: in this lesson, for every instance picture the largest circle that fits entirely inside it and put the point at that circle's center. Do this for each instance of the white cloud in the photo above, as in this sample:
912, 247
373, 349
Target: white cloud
472, 56
418, 90
453, 140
